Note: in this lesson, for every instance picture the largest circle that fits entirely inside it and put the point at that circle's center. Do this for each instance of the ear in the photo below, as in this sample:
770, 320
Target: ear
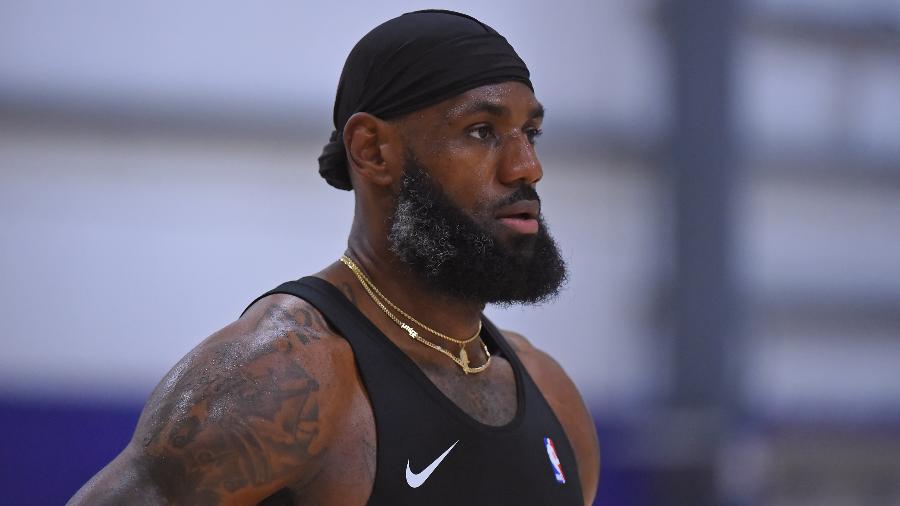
372, 149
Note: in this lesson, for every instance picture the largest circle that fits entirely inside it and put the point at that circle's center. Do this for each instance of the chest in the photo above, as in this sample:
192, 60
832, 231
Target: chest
349, 473
447, 445
488, 397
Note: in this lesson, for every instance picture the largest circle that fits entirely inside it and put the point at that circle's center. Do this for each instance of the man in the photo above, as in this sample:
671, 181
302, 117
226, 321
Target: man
378, 380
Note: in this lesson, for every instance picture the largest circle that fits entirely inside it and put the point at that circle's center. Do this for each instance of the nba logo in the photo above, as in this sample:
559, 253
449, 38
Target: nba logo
554, 461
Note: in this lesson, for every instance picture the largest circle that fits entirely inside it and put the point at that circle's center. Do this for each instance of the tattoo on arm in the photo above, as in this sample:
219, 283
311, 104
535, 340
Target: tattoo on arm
236, 415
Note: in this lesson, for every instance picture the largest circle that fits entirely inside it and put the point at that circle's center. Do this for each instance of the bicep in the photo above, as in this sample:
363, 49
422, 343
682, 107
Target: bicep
235, 458
236, 420
234, 435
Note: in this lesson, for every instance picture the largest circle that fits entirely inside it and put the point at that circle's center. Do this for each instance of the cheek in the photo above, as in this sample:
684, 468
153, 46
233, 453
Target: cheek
466, 173
483, 207
471, 194
469, 178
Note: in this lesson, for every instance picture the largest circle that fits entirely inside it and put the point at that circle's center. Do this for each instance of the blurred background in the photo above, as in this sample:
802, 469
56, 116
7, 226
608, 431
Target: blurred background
723, 177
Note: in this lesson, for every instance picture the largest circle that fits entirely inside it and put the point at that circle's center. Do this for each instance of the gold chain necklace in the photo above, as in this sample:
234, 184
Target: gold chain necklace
360, 274
461, 359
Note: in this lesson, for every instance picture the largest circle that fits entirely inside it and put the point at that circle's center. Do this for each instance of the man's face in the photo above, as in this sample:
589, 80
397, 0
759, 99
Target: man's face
466, 216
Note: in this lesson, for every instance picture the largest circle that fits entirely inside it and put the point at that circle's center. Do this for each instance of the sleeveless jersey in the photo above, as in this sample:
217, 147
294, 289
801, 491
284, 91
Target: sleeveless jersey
429, 451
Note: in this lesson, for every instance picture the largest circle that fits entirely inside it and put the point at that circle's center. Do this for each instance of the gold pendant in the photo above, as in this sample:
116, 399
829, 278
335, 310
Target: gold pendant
464, 358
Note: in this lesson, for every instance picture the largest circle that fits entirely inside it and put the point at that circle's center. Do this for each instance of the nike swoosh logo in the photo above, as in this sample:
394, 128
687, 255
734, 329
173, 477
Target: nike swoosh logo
417, 479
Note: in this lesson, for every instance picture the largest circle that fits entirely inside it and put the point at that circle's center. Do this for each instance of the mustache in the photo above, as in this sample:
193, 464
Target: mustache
522, 192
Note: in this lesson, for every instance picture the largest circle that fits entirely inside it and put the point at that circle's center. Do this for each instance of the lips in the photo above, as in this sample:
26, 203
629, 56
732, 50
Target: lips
520, 216
523, 209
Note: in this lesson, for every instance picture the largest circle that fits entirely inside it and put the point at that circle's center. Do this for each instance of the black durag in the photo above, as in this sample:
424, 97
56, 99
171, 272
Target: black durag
411, 62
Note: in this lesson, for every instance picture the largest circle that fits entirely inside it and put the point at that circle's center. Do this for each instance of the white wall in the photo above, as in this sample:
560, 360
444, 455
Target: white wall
122, 251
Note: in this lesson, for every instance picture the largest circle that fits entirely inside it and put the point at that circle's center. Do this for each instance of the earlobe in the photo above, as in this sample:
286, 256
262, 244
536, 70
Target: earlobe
369, 144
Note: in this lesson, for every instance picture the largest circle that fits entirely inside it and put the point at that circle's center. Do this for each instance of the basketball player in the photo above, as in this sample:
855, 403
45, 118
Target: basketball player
378, 380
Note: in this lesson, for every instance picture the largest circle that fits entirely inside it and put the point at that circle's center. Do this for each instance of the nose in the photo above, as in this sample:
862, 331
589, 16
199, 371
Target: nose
519, 162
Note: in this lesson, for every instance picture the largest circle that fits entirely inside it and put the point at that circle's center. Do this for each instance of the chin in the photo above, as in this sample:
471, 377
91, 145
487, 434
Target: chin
514, 242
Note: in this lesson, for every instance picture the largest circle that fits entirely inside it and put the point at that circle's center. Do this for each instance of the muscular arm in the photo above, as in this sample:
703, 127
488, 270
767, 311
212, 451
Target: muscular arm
236, 420
568, 406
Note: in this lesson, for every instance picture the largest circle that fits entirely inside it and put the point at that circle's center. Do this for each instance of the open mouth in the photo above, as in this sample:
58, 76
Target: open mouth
521, 216
522, 223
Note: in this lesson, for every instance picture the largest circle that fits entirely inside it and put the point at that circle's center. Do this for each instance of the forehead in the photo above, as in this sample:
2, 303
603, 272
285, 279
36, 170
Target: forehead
512, 99
504, 99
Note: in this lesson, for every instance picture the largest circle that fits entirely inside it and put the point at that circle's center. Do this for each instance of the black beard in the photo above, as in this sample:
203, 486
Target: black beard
457, 254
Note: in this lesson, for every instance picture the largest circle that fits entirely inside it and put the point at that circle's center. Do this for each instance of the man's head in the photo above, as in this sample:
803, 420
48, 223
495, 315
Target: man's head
444, 179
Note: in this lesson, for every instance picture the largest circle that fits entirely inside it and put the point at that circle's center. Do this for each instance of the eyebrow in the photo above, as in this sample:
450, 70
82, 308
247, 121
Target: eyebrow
493, 109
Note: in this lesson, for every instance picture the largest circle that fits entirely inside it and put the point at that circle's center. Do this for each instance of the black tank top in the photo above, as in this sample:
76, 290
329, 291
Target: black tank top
429, 451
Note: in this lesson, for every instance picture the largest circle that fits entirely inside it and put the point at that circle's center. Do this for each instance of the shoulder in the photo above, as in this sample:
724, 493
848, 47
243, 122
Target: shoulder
545, 370
247, 411
568, 405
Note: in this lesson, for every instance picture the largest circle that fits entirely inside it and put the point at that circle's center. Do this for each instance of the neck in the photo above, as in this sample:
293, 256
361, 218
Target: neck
449, 315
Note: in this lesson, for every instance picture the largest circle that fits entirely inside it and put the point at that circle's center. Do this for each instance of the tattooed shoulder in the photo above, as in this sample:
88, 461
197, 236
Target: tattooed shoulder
241, 414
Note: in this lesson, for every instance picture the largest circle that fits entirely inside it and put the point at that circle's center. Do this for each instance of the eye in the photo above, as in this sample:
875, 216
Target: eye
533, 134
481, 132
